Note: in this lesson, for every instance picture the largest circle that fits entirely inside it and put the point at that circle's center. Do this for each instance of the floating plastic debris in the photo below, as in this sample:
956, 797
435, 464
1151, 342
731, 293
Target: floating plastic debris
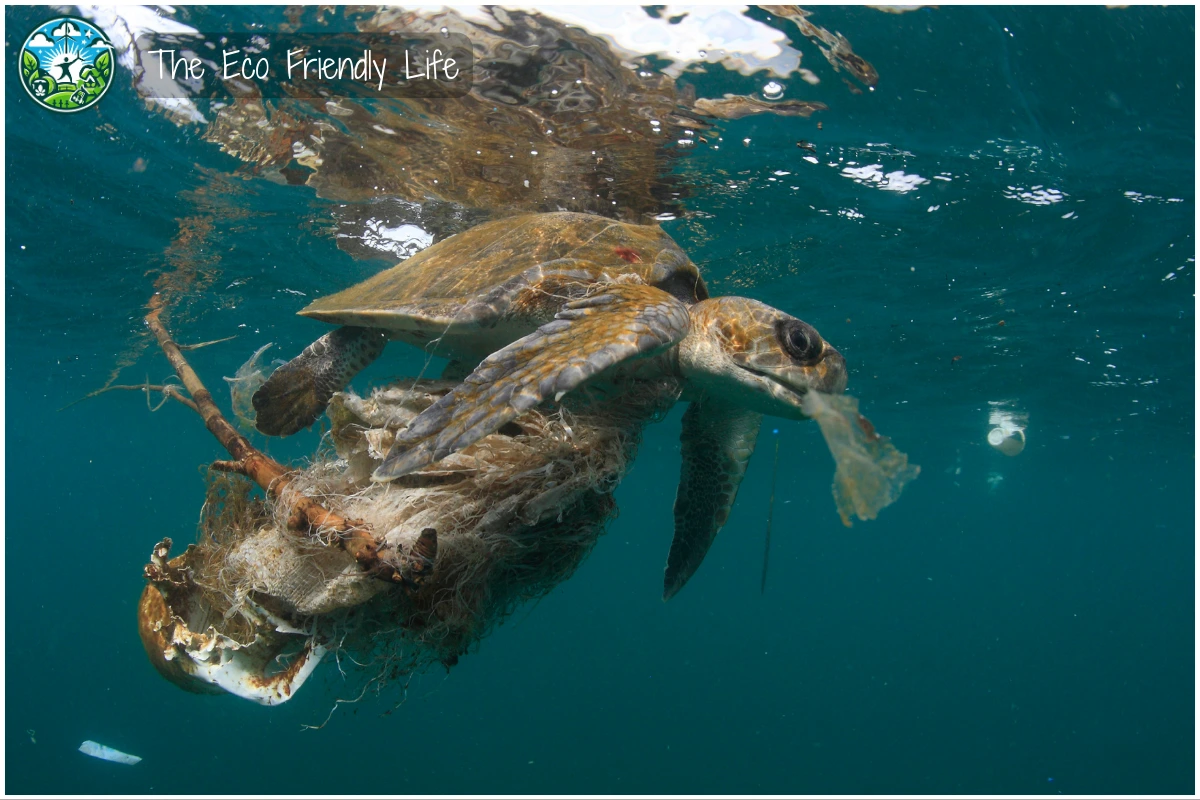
90, 748
1008, 443
244, 384
871, 473
1007, 428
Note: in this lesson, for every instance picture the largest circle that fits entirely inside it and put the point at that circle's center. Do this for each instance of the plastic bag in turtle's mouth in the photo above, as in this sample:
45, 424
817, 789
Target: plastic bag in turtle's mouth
870, 472
242, 386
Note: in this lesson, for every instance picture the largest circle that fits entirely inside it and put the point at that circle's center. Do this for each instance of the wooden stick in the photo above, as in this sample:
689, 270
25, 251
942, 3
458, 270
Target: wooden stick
306, 514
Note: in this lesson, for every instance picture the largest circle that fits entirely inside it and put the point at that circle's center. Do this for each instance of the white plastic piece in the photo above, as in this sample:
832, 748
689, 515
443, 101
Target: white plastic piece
1007, 427
90, 748
1008, 442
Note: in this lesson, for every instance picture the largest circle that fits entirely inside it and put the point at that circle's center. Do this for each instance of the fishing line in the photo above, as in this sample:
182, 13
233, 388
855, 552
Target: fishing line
770, 515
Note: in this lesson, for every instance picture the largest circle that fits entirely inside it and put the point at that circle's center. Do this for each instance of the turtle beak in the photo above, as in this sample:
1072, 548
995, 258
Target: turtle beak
831, 371
787, 383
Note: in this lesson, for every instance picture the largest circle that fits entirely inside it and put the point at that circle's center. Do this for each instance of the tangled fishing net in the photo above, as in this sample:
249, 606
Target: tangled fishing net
253, 607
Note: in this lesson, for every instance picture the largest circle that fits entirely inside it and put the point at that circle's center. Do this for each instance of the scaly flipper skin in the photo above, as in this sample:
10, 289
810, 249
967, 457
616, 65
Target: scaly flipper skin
717, 442
297, 393
620, 322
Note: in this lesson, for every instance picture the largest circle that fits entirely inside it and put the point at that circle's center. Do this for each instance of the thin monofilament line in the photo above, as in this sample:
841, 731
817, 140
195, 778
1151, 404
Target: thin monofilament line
770, 516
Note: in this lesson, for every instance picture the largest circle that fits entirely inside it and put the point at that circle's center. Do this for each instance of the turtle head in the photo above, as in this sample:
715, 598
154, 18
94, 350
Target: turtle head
757, 357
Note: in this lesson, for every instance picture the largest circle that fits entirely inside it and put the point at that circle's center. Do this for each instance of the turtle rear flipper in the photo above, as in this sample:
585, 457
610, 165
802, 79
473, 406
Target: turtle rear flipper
296, 394
624, 321
717, 441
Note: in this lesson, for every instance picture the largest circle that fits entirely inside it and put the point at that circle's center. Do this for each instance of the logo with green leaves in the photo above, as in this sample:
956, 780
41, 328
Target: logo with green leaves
67, 64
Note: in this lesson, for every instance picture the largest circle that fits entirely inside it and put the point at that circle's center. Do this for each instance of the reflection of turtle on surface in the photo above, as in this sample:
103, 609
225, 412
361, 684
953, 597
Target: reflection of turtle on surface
549, 302
594, 136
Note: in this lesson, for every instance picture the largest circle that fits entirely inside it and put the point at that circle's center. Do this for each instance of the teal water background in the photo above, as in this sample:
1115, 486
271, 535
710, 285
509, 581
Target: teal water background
1010, 625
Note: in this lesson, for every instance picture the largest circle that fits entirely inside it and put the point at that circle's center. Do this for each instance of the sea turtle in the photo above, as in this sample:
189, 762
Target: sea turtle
543, 302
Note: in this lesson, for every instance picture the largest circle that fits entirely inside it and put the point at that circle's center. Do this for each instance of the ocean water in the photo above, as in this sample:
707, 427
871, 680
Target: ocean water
1003, 224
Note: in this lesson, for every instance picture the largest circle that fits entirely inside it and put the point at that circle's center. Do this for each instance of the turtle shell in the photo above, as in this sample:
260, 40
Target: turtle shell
507, 275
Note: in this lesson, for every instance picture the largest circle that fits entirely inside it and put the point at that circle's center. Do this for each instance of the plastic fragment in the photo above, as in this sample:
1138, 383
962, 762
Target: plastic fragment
244, 384
90, 748
871, 473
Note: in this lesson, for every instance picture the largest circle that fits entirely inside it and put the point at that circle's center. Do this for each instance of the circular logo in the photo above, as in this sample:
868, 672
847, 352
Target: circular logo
67, 64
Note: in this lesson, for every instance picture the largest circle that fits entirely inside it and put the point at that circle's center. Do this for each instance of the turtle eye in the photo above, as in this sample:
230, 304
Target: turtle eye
800, 341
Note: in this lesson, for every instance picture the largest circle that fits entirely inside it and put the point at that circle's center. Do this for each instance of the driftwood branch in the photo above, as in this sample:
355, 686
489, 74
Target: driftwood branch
306, 515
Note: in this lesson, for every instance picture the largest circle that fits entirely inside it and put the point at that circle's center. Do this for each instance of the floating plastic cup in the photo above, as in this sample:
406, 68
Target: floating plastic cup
1007, 425
1009, 441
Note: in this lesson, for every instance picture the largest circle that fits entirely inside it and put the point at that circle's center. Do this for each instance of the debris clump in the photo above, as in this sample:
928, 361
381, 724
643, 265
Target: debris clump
254, 606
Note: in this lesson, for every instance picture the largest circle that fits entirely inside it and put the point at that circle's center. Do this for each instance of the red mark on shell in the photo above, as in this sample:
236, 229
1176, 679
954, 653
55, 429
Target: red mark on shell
628, 254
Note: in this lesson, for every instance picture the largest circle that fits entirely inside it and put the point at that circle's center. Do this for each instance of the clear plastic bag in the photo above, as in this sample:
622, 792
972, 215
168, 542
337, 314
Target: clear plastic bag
871, 473
244, 384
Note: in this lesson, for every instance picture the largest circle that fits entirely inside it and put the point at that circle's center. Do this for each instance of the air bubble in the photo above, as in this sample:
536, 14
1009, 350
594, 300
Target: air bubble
445, 31
773, 90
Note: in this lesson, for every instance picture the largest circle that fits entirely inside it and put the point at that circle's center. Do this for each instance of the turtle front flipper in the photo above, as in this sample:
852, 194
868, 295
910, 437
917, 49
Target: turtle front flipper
297, 393
717, 442
621, 322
